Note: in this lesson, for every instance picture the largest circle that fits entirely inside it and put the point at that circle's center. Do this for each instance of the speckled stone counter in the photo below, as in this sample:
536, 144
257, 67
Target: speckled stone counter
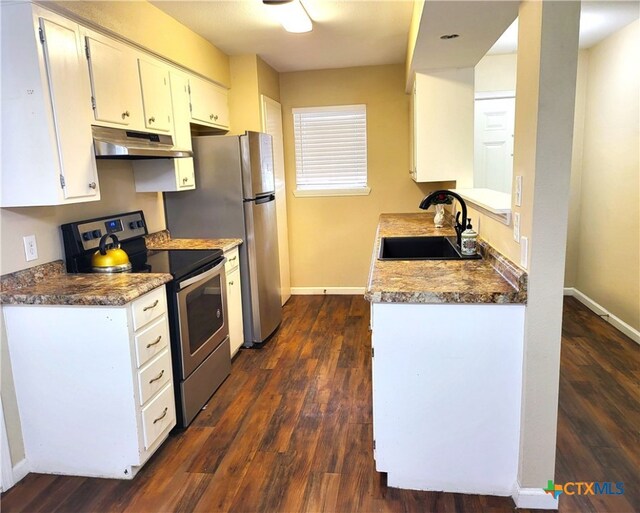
163, 240
494, 279
49, 284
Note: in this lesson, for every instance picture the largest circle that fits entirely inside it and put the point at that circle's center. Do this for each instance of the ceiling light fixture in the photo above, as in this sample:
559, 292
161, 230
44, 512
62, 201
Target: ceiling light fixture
449, 36
292, 15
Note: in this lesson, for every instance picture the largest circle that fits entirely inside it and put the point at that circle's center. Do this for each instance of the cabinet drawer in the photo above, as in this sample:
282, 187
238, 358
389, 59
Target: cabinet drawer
233, 260
155, 375
158, 416
148, 307
151, 341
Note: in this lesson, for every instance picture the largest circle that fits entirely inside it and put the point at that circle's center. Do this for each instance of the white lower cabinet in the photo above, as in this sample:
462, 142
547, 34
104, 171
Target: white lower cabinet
94, 384
446, 386
234, 300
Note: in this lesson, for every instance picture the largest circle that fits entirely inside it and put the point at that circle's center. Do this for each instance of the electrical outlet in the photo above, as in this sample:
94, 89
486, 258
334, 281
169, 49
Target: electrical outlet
518, 194
516, 226
30, 247
524, 252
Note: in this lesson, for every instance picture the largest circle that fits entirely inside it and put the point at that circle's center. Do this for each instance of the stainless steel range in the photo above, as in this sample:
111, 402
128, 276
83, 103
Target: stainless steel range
196, 300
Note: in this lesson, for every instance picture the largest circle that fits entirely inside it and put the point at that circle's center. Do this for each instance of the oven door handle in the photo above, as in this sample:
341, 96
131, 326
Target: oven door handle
203, 276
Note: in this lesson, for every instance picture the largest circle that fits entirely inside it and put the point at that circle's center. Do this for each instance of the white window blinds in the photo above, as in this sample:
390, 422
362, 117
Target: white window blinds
331, 147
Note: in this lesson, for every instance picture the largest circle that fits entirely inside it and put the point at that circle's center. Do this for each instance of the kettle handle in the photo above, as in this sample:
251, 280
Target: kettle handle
103, 242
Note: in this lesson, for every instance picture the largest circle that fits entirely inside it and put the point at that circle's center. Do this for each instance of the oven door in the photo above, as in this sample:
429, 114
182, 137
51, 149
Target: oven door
202, 316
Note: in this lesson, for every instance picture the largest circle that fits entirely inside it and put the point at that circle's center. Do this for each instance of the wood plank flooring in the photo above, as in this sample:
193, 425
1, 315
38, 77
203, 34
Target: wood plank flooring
290, 430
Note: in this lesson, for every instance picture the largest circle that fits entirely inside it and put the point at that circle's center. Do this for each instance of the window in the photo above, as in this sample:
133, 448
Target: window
331, 150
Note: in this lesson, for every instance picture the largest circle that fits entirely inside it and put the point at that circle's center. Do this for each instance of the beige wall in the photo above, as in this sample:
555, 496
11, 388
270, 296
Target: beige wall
496, 73
250, 77
244, 98
151, 28
416, 17
331, 238
573, 231
608, 261
268, 80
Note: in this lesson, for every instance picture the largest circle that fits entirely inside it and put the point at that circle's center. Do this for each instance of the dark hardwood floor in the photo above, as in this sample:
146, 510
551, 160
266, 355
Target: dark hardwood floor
290, 430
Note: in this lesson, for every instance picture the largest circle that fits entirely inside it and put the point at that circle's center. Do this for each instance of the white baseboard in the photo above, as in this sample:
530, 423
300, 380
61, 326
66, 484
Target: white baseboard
598, 309
533, 498
329, 291
20, 470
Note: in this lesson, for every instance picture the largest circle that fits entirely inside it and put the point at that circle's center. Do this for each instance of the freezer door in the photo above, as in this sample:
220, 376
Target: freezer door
264, 268
257, 165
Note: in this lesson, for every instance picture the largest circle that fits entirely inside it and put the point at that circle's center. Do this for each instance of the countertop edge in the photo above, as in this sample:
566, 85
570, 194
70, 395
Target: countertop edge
506, 270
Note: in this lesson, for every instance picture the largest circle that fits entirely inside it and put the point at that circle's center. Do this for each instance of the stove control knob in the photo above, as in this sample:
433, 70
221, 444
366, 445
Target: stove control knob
97, 234
132, 225
140, 224
87, 236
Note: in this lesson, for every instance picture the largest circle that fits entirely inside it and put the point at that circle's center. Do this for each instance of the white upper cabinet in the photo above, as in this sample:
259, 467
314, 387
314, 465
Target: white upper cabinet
442, 127
47, 145
209, 104
115, 83
156, 95
171, 174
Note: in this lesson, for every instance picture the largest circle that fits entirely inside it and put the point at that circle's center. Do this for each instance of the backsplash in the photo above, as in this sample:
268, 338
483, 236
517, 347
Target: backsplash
118, 195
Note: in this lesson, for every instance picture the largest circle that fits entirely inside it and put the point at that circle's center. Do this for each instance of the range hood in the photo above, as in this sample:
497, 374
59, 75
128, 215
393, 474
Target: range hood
118, 143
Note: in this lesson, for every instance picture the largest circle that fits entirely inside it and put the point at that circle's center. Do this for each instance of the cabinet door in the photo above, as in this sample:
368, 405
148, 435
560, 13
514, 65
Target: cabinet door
182, 129
70, 91
208, 103
114, 83
234, 310
156, 95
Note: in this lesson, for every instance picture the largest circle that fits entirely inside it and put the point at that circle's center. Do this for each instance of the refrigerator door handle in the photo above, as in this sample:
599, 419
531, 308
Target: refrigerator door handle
265, 199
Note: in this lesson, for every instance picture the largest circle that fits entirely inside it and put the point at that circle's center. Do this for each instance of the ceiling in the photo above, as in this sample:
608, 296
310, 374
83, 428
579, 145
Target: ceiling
371, 32
597, 21
345, 32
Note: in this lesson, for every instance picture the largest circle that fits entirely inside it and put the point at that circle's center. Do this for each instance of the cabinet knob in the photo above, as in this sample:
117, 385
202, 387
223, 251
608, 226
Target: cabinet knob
125, 114
231, 283
152, 119
210, 116
215, 117
185, 179
93, 185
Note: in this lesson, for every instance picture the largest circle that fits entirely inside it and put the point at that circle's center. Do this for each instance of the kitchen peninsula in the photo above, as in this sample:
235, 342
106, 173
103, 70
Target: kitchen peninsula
447, 348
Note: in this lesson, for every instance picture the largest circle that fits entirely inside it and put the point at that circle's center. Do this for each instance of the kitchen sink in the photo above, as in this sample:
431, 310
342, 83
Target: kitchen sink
421, 248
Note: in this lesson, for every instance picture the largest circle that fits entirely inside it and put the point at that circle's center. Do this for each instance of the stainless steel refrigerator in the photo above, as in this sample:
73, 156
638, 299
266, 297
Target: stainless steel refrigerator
235, 198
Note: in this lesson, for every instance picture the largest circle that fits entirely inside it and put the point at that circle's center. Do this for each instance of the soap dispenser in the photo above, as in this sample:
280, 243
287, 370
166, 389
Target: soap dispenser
469, 240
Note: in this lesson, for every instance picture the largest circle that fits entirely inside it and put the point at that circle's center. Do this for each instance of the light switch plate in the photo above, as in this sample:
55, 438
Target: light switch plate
516, 226
518, 194
30, 247
524, 252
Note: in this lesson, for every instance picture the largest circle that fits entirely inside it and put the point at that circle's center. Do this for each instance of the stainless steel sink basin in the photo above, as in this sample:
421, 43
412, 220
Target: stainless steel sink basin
421, 248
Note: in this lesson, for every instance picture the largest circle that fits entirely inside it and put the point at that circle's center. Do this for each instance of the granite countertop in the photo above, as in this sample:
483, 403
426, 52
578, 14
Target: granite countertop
163, 240
494, 279
49, 284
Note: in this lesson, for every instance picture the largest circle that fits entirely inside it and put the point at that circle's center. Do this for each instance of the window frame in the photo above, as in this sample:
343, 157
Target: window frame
331, 191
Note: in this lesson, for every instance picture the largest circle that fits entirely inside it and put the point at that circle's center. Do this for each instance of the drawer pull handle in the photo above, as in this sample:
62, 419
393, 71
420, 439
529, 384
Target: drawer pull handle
231, 283
232, 259
152, 119
164, 414
155, 342
155, 303
159, 376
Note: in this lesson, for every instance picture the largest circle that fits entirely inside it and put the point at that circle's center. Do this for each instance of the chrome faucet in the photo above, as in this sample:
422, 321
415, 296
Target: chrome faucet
444, 196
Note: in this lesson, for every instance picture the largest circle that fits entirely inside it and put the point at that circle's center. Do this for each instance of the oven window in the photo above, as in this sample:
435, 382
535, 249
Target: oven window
205, 314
